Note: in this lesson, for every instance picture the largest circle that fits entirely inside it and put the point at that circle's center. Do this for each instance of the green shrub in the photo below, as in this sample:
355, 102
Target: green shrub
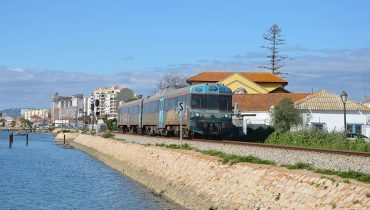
63, 131
107, 135
259, 134
317, 139
175, 146
346, 174
232, 159
285, 115
299, 166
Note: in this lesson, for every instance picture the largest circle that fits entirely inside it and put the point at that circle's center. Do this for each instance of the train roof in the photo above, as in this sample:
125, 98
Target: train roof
172, 92
212, 88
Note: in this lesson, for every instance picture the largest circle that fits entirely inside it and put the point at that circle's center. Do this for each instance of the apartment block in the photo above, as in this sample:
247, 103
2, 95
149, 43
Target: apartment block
66, 107
32, 114
109, 99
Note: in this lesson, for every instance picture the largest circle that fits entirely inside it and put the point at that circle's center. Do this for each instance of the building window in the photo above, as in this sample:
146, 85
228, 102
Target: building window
354, 128
318, 125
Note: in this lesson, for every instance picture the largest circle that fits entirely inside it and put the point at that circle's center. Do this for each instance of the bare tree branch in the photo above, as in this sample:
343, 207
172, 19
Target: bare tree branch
274, 39
171, 80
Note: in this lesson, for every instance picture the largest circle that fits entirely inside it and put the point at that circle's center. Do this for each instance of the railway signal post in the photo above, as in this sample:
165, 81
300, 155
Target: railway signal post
181, 110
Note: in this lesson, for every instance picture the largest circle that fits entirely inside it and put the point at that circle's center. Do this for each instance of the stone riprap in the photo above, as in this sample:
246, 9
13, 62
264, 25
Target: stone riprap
198, 181
280, 156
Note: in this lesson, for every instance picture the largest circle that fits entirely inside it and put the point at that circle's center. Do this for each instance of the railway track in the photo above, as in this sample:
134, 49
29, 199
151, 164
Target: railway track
275, 146
252, 144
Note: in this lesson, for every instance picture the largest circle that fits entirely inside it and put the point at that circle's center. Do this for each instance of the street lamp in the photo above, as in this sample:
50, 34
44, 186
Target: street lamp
343, 97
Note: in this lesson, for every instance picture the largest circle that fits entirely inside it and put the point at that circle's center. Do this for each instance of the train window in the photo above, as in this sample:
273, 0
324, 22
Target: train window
181, 98
198, 101
133, 110
212, 101
151, 107
225, 102
170, 104
124, 110
220, 102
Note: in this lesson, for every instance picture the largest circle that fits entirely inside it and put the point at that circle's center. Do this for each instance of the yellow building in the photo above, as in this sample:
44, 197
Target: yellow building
243, 82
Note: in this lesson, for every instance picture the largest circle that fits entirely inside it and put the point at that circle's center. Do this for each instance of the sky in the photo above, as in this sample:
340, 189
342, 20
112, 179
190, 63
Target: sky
75, 46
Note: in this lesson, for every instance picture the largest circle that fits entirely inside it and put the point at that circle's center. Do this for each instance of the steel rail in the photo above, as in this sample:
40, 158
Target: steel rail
264, 145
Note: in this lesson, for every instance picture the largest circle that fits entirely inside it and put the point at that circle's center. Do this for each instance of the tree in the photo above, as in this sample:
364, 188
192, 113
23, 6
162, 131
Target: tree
173, 80
24, 123
2, 122
12, 123
274, 39
111, 124
85, 119
284, 115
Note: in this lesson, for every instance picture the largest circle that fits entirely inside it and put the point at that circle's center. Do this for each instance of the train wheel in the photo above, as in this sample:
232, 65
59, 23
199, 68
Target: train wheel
164, 132
191, 135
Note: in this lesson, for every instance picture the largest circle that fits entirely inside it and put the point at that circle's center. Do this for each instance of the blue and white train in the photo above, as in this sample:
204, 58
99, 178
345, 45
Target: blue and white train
207, 112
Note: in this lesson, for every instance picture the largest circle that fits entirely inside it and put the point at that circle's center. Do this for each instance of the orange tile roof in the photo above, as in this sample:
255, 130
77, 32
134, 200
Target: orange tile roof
262, 77
218, 76
325, 100
210, 76
67, 118
263, 102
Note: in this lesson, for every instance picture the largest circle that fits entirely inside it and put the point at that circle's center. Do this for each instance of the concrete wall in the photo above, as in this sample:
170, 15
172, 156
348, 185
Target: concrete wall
197, 181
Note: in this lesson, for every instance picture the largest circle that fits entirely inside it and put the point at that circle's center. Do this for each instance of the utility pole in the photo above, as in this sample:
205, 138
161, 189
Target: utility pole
344, 97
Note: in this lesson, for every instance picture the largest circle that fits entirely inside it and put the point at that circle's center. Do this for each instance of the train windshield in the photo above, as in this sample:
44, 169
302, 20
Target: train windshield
218, 102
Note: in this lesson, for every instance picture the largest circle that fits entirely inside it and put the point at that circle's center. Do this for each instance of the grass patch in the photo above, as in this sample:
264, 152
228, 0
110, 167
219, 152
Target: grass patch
355, 202
329, 178
318, 139
362, 177
107, 135
175, 146
63, 131
232, 159
305, 166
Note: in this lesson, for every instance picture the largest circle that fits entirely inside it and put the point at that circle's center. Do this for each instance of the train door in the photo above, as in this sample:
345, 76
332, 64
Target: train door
161, 114
140, 112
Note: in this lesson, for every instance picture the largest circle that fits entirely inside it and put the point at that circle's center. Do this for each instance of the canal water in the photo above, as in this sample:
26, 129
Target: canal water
46, 175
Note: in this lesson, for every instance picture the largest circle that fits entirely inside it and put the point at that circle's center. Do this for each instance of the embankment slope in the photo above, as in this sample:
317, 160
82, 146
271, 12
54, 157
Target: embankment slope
198, 181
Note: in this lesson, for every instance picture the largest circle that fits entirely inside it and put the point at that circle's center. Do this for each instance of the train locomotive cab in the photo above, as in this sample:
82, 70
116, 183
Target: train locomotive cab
210, 110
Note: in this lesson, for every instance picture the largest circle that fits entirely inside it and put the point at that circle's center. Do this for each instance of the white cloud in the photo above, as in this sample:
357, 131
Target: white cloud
18, 69
334, 70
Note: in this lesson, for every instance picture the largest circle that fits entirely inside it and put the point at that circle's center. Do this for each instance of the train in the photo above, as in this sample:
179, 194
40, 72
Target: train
207, 112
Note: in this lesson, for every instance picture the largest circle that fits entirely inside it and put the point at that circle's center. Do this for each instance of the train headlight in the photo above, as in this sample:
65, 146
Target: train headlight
226, 115
197, 114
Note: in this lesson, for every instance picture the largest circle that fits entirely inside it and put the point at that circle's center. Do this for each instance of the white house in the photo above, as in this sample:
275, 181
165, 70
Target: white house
8, 120
321, 109
325, 110
254, 108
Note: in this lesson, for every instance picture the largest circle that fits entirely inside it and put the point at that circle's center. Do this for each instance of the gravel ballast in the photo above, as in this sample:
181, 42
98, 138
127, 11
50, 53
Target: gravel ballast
280, 156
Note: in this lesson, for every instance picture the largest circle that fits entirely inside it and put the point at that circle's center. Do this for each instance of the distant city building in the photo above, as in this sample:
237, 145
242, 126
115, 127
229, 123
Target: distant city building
23, 111
109, 99
87, 106
63, 107
36, 115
